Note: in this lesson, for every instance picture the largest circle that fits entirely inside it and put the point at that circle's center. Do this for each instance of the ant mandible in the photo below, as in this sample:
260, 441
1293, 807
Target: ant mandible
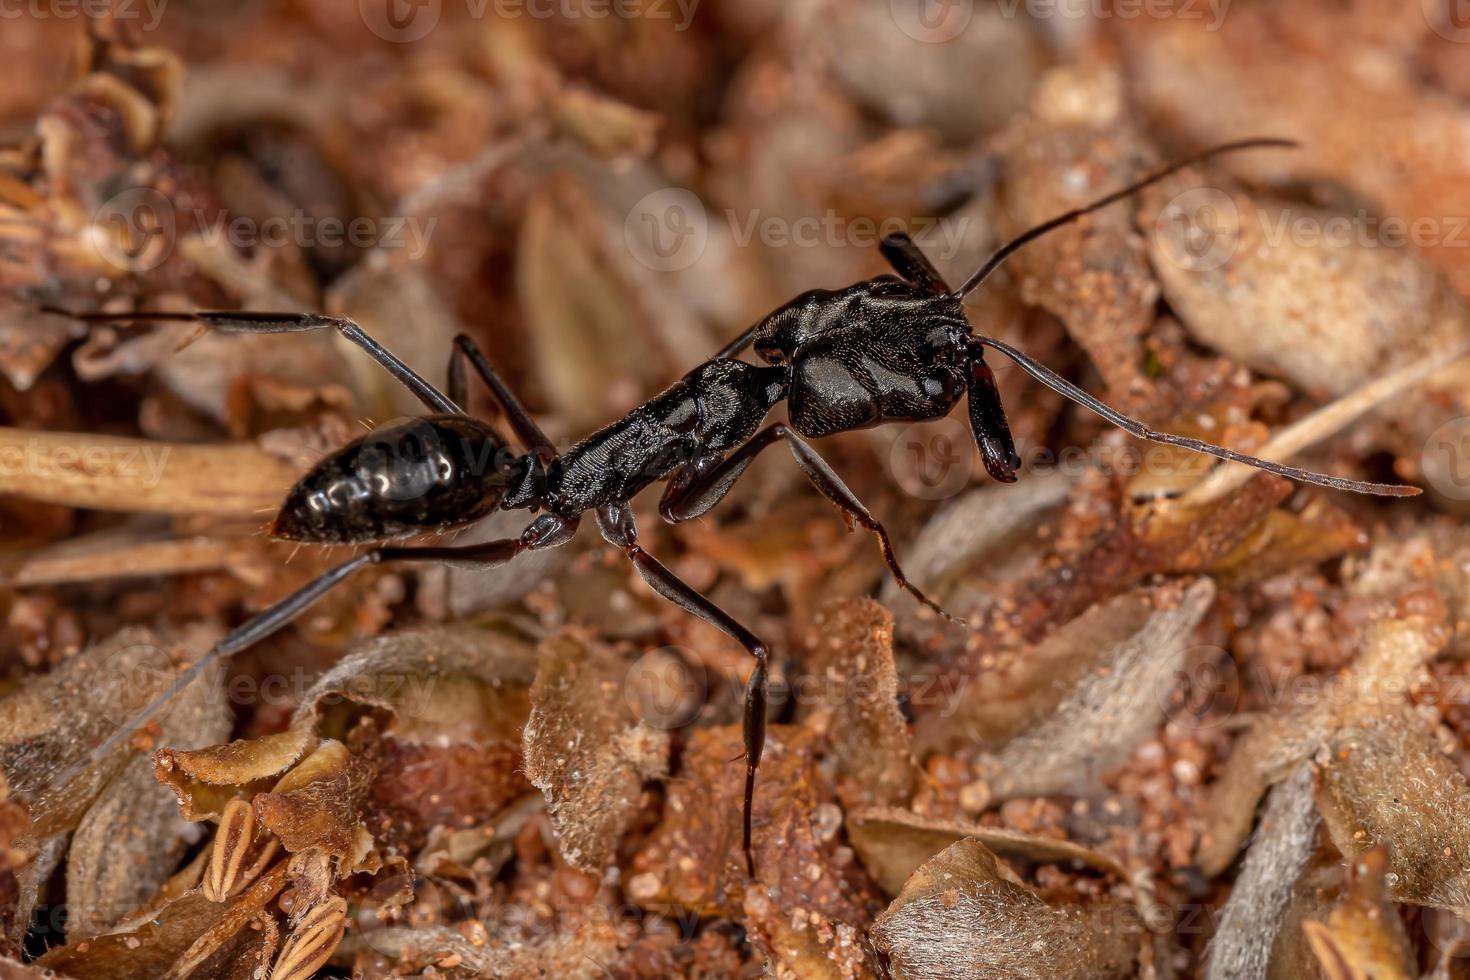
884, 350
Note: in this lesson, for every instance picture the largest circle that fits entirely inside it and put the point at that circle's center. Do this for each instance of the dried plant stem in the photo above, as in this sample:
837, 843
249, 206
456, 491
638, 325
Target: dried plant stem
112, 473
60, 566
1324, 423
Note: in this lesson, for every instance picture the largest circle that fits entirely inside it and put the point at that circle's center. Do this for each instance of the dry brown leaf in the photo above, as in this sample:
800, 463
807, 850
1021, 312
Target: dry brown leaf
1385, 783
585, 751
1093, 276
694, 857
126, 841
857, 703
962, 913
317, 805
1116, 705
893, 843
176, 941
1393, 656
206, 780
802, 943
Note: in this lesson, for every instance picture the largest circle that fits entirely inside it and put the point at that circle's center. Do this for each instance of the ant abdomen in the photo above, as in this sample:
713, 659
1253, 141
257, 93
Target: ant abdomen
424, 474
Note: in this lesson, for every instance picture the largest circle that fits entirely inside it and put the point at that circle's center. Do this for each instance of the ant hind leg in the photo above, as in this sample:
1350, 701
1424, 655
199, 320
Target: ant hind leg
245, 321
617, 526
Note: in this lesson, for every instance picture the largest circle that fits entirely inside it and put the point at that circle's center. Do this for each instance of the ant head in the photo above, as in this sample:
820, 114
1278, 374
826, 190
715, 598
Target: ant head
415, 475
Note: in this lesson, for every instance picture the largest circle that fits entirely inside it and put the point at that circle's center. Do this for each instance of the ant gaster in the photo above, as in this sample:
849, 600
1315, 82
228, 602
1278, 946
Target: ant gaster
885, 350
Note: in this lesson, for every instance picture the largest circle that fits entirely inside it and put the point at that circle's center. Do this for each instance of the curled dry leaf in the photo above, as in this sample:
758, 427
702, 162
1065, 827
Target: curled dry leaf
207, 780
1363, 938
456, 698
585, 751
317, 805
1077, 703
1393, 657
1251, 919
1386, 784
893, 843
963, 913
852, 665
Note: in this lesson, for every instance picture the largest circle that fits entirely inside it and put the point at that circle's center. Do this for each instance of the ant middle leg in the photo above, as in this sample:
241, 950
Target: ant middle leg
618, 527
245, 321
547, 531
696, 487
525, 427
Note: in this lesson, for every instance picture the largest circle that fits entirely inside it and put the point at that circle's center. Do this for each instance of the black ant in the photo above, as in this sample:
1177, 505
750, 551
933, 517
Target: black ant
885, 350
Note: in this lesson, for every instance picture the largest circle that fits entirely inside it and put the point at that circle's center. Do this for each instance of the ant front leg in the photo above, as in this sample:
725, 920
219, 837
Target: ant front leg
243, 321
698, 486
910, 262
547, 531
618, 527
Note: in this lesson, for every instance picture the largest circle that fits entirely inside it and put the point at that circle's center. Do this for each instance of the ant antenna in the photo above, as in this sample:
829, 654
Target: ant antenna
1011, 247
1136, 428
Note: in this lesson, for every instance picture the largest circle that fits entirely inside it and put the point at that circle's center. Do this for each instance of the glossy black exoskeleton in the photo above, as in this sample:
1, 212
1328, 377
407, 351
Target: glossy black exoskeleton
435, 473
886, 350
